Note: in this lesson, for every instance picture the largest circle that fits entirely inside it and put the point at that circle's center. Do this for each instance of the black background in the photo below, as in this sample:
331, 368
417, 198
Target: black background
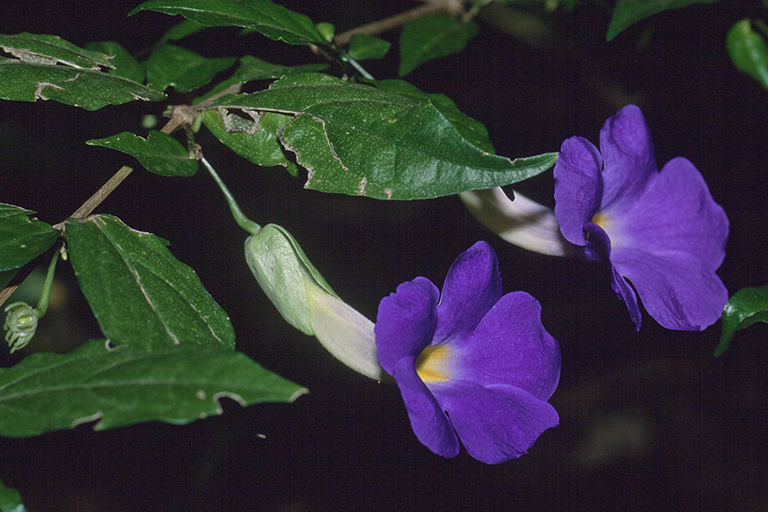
649, 420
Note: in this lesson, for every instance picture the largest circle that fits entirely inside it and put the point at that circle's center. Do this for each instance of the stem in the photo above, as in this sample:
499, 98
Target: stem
42, 305
242, 221
432, 7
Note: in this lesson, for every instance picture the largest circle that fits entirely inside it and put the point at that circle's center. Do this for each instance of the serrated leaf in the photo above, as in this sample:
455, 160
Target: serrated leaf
124, 386
22, 238
158, 153
48, 49
360, 140
747, 306
91, 90
432, 37
141, 294
260, 147
628, 12
124, 64
184, 70
474, 131
263, 16
10, 500
363, 46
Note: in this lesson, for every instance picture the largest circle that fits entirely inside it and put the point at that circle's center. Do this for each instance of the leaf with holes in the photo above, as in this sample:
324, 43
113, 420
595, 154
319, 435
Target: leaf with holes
22, 238
141, 295
125, 385
258, 143
158, 153
50, 68
361, 140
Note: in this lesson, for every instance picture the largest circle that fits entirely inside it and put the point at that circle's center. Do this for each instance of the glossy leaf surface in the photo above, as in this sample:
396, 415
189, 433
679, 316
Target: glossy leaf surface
140, 293
432, 37
747, 306
158, 153
22, 238
48, 49
629, 12
260, 147
360, 140
263, 16
184, 70
124, 386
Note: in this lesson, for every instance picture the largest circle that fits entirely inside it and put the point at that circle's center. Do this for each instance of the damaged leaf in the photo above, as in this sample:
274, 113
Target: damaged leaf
124, 386
158, 153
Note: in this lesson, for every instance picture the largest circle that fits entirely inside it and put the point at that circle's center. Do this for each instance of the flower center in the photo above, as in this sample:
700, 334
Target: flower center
432, 364
600, 219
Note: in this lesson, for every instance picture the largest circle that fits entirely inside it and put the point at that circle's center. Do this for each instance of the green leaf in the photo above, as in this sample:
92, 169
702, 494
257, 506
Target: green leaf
10, 500
181, 30
474, 131
47, 49
141, 295
184, 70
748, 51
432, 37
363, 46
124, 386
22, 239
49, 68
747, 306
158, 153
263, 16
629, 12
259, 144
360, 140
125, 65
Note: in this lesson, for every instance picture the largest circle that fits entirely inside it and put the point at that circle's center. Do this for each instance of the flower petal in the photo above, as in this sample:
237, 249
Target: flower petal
578, 187
627, 150
471, 288
498, 422
406, 321
676, 213
675, 290
428, 420
510, 347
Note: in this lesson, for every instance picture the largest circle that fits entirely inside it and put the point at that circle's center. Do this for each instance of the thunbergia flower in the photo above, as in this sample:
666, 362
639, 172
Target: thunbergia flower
662, 231
470, 363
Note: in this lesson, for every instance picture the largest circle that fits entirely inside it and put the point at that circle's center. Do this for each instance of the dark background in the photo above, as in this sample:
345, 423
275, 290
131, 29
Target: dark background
649, 420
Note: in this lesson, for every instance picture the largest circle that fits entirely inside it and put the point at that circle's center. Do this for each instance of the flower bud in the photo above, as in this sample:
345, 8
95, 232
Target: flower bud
307, 302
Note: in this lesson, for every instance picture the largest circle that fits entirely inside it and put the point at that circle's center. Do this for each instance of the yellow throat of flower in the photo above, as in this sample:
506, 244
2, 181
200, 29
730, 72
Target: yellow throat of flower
432, 364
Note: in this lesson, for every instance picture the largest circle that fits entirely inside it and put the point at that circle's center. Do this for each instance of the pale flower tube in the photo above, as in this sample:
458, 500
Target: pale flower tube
522, 221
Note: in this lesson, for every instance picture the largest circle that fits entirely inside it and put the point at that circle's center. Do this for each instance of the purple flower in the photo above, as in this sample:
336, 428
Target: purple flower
661, 231
470, 363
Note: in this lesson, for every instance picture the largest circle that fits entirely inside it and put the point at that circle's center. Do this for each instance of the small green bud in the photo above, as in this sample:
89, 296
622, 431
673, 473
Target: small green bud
20, 325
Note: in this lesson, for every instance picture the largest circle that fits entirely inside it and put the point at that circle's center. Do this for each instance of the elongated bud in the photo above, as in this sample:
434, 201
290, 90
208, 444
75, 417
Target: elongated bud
307, 302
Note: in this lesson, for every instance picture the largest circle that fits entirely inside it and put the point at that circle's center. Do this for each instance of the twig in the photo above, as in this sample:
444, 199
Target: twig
377, 27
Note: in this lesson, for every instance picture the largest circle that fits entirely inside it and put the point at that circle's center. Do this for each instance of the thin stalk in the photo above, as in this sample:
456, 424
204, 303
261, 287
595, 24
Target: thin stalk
242, 221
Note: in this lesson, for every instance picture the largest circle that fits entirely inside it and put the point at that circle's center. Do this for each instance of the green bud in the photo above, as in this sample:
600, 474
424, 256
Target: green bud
327, 30
307, 302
